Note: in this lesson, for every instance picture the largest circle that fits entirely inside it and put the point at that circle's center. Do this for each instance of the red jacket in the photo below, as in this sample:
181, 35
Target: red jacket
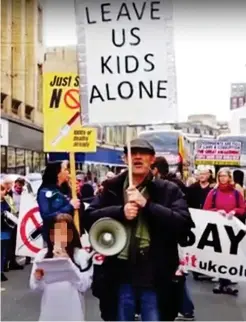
225, 200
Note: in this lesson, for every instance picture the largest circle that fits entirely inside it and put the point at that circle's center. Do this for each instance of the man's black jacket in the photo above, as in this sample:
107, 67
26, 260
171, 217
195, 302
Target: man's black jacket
169, 223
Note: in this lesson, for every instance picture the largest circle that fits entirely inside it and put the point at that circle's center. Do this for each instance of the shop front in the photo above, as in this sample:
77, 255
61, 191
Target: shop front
21, 148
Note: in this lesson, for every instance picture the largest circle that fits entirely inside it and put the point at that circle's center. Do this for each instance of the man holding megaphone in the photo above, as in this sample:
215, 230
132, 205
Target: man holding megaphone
138, 228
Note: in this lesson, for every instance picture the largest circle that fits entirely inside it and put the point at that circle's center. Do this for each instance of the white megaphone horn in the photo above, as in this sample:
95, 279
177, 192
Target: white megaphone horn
108, 237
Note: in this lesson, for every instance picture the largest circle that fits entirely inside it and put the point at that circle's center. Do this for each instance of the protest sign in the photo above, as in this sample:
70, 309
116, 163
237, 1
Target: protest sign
63, 131
217, 246
126, 61
218, 152
29, 240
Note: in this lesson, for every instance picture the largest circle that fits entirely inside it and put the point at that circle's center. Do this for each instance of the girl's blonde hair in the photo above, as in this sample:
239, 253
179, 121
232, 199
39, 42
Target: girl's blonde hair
228, 172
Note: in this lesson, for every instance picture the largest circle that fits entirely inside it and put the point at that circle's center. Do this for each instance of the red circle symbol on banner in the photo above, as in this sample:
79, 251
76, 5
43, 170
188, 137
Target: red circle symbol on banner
71, 99
29, 217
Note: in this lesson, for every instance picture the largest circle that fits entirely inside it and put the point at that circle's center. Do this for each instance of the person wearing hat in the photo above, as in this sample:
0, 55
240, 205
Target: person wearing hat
156, 217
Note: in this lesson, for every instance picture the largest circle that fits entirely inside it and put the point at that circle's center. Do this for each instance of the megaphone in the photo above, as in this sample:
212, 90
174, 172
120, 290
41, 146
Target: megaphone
107, 236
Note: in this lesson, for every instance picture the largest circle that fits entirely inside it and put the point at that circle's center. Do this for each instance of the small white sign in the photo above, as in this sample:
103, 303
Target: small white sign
4, 132
126, 62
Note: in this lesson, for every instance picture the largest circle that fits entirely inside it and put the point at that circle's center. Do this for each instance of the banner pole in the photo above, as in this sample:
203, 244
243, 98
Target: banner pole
73, 186
129, 155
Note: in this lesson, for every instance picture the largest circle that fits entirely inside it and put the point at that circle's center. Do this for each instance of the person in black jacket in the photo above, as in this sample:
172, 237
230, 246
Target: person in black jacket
196, 196
198, 191
160, 169
156, 218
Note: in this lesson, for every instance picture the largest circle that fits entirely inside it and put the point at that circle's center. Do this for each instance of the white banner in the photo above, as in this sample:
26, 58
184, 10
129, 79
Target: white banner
217, 244
126, 61
29, 239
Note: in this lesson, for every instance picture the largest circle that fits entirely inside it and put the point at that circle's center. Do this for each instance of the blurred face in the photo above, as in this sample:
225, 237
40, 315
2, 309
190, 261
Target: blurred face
63, 176
178, 175
78, 185
3, 191
18, 187
224, 177
154, 171
204, 176
141, 162
8, 185
61, 235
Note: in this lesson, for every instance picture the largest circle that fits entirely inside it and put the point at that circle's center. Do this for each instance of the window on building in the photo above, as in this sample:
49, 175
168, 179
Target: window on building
36, 162
117, 135
3, 96
104, 134
3, 159
29, 112
40, 24
242, 126
40, 88
28, 160
15, 106
42, 161
11, 160
124, 134
111, 137
20, 161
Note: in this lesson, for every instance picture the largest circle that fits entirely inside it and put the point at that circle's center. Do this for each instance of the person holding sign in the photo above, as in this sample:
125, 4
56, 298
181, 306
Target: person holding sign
155, 215
57, 272
50, 198
228, 202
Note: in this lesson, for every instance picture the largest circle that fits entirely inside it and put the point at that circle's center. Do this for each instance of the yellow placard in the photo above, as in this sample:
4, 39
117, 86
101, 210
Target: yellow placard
63, 131
218, 162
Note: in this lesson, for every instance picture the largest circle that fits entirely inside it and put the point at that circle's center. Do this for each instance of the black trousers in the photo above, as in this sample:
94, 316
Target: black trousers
11, 249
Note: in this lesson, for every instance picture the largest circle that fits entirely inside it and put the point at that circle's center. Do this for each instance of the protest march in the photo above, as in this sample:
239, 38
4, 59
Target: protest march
123, 161
217, 246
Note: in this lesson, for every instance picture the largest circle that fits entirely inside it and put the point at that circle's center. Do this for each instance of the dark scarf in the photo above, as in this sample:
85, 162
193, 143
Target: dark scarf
137, 230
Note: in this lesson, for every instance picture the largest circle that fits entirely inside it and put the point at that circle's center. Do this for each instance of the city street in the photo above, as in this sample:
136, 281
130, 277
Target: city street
21, 304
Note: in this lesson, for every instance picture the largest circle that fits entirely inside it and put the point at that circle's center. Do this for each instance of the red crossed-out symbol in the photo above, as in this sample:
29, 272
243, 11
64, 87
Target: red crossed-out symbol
29, 217
71, 99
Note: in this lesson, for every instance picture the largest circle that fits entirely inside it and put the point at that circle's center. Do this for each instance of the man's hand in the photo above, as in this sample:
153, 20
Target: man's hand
131, 210
75, 202
135, 196
78, 187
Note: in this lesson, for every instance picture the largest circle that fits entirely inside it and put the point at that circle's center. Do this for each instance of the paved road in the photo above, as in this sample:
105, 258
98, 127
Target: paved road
20, 304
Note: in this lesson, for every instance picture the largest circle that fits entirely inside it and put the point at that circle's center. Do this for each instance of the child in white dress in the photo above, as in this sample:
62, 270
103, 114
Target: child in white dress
61, 301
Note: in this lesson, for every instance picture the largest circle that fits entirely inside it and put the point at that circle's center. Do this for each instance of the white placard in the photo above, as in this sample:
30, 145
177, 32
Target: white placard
219, 246
126, 61
58, 270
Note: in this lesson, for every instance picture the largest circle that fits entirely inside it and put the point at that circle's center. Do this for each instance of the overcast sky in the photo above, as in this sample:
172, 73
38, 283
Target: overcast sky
210, 49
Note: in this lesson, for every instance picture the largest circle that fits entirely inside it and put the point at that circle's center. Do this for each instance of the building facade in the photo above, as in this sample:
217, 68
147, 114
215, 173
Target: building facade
22, 56
197, 126
238, 108
238, 95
